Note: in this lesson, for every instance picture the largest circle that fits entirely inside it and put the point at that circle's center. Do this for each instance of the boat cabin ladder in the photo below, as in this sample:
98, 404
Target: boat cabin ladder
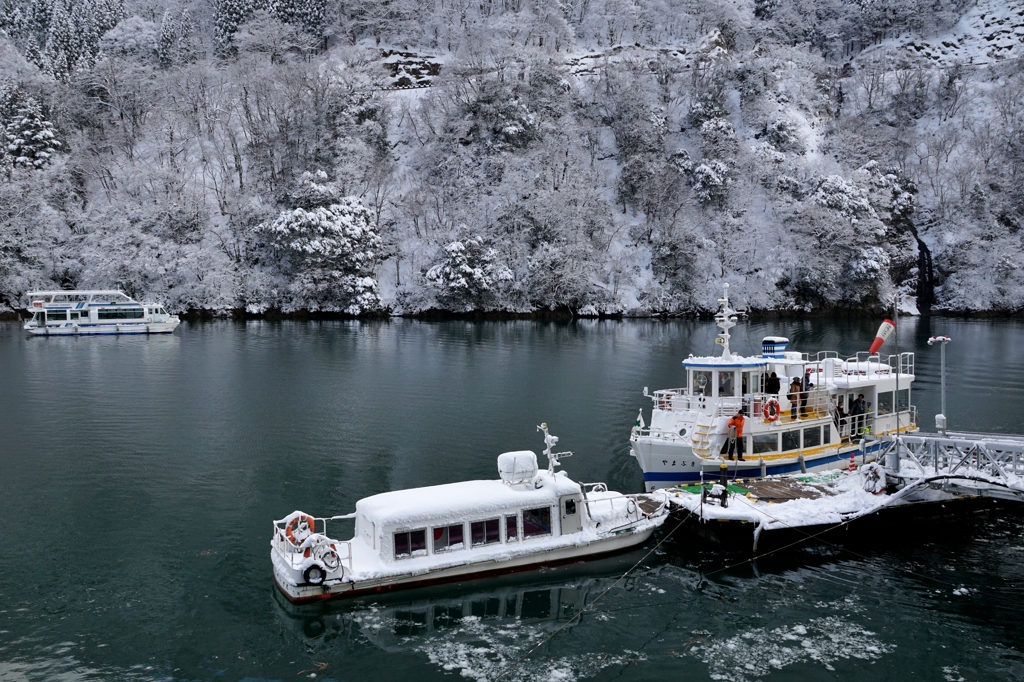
702, 437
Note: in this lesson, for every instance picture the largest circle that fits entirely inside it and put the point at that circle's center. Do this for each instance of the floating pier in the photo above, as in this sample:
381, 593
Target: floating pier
914, 476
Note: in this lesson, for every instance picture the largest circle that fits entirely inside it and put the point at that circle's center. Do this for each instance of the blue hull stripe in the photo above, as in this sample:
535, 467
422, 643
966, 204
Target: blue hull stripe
690, 476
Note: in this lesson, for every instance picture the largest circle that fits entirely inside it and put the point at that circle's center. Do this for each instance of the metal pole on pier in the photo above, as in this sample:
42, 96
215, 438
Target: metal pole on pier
940, 419
894, 462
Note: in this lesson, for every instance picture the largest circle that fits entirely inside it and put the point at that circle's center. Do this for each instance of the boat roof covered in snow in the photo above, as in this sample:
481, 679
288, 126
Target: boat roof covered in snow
468, 498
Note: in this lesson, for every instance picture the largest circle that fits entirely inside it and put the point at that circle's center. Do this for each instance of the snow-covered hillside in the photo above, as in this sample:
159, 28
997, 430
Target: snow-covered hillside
593, 156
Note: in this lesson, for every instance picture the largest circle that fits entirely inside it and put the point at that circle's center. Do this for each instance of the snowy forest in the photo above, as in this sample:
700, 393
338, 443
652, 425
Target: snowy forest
589, 157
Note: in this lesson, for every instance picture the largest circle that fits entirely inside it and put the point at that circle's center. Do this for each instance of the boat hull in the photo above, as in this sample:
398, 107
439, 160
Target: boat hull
674, 465
471, 571
103, 329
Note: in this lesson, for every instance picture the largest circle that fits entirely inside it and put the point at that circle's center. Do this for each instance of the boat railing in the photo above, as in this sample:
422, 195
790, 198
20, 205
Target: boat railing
868, 365
853, 426
634, 512
676, 400
283, 545
819, 356
660, 434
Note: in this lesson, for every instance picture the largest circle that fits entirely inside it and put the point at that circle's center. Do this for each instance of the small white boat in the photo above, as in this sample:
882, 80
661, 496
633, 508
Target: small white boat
838, 404
74, 313
459, 531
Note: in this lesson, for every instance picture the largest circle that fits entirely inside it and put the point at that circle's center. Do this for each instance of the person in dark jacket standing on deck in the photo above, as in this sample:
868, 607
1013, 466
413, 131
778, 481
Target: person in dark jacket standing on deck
773, 384
857, 411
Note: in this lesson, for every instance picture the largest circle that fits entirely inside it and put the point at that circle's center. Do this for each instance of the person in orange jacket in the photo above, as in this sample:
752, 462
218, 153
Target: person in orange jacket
736, 439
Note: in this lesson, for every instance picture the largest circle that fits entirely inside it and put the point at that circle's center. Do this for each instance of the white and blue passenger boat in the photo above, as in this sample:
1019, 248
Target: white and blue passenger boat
819, 429
73, 313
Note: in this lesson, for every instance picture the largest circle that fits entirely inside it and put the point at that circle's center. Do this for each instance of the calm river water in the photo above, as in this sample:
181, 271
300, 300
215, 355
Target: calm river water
139, 478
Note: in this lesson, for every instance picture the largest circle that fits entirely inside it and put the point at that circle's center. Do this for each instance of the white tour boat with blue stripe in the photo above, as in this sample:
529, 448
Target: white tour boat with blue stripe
835, 405
74, 313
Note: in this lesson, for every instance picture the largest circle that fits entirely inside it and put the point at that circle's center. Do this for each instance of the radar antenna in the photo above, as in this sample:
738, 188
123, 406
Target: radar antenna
549, 442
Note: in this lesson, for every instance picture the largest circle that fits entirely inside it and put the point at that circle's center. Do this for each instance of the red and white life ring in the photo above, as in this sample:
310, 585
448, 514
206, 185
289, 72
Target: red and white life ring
771, 410
666, 402
293, 526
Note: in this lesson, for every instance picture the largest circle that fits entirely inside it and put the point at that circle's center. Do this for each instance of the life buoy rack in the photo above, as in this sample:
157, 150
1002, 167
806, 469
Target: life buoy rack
294, 524
771, 410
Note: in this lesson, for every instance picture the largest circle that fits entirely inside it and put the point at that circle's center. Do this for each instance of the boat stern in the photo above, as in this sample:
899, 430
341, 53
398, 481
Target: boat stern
307, 563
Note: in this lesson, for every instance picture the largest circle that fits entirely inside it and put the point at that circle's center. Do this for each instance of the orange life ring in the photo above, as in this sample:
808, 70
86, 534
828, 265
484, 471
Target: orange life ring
771, 410
293, 527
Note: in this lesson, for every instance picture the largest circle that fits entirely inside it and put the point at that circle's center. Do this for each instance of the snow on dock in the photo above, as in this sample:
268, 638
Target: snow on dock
922, 474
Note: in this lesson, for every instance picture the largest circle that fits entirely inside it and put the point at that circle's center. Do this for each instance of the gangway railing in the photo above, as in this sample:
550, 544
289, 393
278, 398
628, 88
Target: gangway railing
1000, 457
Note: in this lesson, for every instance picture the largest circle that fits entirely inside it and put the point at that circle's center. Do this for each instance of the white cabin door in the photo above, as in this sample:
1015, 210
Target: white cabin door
570, 513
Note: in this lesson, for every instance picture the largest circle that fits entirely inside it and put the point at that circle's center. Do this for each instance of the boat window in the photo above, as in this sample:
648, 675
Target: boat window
120, 314
448, 538
726, 383
485, 532
410, 543
903, 399
791, 440
764, 442
56, 315
827, 435
885, 403
701, 382
511, 529
490, 607
39, 317
812, 437
570, 507
74, 315
536, 522
751, 383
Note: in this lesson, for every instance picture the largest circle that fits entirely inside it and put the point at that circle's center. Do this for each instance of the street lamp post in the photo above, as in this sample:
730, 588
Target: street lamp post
940, 419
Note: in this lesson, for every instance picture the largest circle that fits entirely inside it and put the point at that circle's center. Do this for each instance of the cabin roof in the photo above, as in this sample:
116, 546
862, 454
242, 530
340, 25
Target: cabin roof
464, 501
719, 362
81, 292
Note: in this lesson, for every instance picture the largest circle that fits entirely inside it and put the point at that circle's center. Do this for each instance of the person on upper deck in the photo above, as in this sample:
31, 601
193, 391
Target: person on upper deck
858, 409
804, 393
736, 434
796, 389
773, 384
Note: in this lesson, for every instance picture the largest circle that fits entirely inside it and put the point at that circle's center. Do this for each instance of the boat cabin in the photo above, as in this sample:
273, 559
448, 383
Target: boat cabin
526, 505
826, 410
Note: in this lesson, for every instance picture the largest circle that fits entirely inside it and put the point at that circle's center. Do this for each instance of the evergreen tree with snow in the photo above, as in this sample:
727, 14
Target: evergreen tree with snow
107, 14
468, 275
167, 43
231, 14
309, 15
33, 53
329, 247
30, 139
61, 49
83, 22
186, 48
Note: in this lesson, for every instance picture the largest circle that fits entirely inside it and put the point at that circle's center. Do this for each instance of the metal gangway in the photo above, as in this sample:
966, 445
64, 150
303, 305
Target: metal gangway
978, 464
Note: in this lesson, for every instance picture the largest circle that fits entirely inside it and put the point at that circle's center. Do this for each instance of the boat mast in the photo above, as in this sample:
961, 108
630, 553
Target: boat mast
726, 319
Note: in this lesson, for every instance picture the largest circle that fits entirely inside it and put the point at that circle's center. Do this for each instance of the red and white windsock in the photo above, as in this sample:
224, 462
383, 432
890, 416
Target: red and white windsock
884, 332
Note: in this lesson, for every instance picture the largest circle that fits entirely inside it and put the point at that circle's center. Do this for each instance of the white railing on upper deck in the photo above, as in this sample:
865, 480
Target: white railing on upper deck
867, 365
